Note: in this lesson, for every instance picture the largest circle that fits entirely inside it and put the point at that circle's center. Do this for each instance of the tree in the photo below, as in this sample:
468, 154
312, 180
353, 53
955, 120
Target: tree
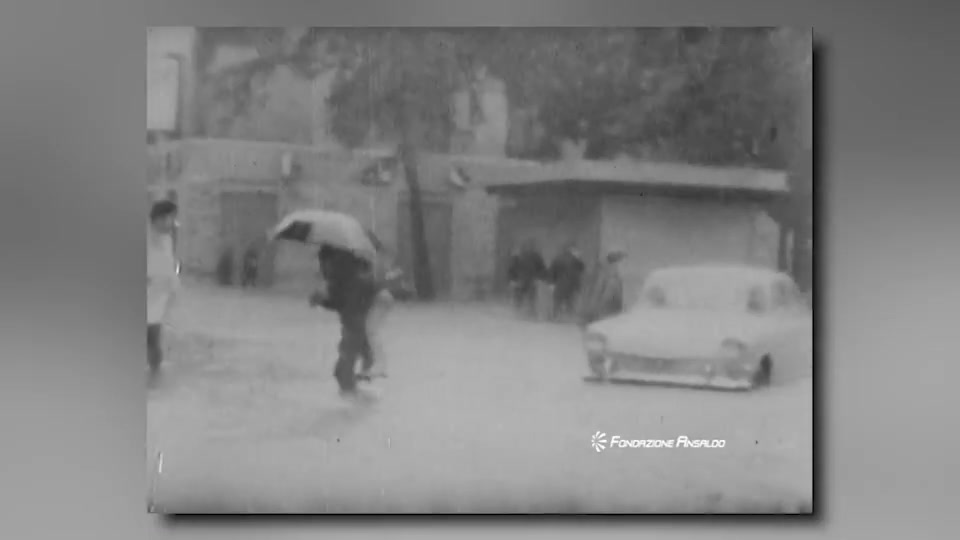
730, 97
753, 108
236, 100
394, 84
590, 86
615, 90
398, 84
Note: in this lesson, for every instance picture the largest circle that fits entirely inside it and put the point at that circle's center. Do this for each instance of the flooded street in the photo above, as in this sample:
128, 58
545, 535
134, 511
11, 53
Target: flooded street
480, 413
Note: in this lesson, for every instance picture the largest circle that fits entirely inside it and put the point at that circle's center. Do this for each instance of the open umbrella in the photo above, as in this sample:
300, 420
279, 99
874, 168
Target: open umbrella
326, 227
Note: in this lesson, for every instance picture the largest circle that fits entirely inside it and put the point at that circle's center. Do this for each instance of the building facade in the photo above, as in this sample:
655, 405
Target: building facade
225, 169
658, 215
232, 189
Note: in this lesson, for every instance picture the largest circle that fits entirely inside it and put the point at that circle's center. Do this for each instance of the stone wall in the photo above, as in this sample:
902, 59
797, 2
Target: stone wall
473, 256
327, 179
198, 241
655, 231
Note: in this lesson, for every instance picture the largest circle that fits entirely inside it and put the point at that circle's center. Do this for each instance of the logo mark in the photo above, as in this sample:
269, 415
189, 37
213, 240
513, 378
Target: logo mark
599, 441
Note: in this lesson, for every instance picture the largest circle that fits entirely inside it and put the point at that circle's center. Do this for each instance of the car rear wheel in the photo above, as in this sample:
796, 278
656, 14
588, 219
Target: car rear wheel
762, 375
598, 366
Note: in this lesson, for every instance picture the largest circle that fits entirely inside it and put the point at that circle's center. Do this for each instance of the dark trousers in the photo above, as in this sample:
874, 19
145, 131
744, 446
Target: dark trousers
366, 351
525, 297
564, 300
154, 345
354, 344
249, 277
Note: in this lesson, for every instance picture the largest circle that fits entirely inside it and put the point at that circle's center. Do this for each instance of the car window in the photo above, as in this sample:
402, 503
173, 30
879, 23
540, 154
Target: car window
689, 294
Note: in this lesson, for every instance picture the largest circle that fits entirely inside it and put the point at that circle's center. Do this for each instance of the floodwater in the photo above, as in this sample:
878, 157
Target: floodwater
481, 413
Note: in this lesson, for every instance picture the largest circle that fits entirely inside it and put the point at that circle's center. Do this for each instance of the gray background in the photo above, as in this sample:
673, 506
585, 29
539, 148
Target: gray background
72, 101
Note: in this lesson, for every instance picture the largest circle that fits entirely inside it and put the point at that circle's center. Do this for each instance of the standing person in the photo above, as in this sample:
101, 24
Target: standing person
251, 264
605, 295
513, 267
566, 275
162, 278
525, 270
350, 291
374, 357
374, 361
225, 267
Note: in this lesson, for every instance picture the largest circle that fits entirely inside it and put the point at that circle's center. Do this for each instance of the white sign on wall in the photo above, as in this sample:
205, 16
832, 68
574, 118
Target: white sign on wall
163, 91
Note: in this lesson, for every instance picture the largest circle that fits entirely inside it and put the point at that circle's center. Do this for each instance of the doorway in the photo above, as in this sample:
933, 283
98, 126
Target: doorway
245, 218
438, 222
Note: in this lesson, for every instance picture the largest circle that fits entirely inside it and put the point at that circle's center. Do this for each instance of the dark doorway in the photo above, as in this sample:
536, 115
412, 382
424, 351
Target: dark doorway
438, 223
245, 218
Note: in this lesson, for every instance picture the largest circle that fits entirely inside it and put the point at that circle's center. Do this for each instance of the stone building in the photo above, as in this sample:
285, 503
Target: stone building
659, 214
478, 204
231, 187
230, 192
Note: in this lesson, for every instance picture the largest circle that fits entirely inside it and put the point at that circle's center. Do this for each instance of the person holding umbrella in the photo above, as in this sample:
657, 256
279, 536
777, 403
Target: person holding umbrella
376, 275
347, 253
349, 291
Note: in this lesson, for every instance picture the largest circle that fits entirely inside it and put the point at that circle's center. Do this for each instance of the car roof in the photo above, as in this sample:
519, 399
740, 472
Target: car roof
727, 273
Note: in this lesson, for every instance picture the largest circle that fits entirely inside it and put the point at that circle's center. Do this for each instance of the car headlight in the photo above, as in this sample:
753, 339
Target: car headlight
595, 343
733, 348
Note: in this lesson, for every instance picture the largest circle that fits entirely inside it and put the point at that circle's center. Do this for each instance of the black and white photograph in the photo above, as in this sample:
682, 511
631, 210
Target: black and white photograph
480, 270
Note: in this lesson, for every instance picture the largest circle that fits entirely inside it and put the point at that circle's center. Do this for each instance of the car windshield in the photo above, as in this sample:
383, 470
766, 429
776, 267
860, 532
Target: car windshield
703, 293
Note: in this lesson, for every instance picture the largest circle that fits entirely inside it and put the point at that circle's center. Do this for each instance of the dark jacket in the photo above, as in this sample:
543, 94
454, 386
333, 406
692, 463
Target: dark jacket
251, 258
351, 287
566, 272
604, 298
526, 267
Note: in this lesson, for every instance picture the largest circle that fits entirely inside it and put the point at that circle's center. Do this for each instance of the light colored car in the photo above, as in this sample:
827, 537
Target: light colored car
736, 327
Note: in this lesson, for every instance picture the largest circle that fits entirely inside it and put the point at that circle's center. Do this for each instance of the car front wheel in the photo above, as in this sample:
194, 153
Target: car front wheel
598, 366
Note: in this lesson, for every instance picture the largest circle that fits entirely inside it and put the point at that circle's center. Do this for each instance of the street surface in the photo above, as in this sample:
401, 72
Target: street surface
481, 414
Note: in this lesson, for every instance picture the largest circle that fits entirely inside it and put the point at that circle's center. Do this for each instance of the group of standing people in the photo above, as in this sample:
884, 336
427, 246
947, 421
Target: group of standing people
249, 266
566, 276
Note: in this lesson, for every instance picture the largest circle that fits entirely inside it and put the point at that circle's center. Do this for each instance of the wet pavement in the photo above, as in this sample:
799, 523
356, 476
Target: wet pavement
480, 413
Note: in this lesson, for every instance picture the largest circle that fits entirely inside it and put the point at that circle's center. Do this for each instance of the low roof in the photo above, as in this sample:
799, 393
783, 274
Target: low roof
722, 271
504, 174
